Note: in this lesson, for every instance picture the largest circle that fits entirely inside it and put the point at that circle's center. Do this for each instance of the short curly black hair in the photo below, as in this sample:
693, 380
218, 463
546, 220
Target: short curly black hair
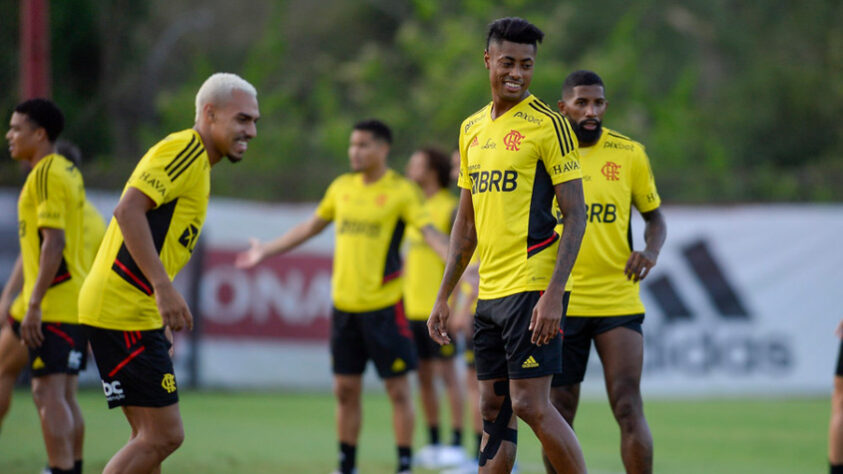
44, 114
515, 30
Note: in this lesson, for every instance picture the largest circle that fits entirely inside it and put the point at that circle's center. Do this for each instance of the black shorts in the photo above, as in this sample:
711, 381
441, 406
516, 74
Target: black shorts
502, 346
839, 371
579, 332
64, 350
468, 355
426, 347
135, 367
382, 335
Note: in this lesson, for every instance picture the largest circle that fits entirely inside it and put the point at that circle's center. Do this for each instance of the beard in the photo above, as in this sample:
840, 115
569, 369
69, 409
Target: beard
234, 159
585, 135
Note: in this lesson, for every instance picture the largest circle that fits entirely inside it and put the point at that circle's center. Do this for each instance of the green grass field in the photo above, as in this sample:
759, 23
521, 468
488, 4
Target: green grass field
294, 433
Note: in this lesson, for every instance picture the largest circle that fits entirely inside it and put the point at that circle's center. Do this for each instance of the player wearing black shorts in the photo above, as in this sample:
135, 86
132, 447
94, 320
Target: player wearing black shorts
430, 168
372, 206
50, 228
516, 156
605, 306
128, 300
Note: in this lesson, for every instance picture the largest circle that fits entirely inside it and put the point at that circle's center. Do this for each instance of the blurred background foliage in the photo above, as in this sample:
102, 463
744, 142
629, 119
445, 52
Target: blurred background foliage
735, 101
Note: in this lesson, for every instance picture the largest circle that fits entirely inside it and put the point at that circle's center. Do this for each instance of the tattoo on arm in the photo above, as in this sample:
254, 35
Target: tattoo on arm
572, 204
462, 245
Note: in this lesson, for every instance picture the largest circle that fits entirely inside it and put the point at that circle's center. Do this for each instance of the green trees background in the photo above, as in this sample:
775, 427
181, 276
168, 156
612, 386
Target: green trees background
735, 101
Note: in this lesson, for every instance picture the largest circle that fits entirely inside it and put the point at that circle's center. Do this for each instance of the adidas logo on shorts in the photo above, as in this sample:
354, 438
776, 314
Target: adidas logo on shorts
530, 363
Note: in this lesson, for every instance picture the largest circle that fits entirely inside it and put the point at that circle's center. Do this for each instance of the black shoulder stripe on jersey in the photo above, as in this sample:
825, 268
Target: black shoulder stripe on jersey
124, 265
613, 134
182, 154
191, 154
42, 178
187, 163
564, 147
563, 124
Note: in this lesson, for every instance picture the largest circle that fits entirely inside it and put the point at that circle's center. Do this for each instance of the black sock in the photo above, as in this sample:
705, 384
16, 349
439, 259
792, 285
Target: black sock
348, 458
836, 469
433, 434
479, 436
405, 454
77, 466
456, 440
55, 470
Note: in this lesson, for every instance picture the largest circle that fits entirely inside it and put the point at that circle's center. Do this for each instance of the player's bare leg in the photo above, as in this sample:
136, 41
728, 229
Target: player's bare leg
531, 403
497, 454
158, 432
473, 395
565, 399
621, 351
427, 392
455, 397
13, 359
78, 422
347, 390
398, 390
48, 392
835, 429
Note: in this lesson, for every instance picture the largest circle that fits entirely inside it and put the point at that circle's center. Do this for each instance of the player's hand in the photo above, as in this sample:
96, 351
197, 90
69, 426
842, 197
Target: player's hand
547, 318
30, 328
168, 333
639, 265
437, 323
251, 257
173, 308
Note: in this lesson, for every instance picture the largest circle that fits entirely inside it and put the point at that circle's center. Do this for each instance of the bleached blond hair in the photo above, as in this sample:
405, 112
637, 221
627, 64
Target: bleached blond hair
219, 87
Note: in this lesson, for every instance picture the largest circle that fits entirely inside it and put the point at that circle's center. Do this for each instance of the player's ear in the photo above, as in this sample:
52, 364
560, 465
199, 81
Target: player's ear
208, 112
486, 58
560, 104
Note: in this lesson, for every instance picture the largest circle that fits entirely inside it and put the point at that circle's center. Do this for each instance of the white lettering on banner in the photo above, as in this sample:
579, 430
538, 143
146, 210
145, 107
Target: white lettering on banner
230, 295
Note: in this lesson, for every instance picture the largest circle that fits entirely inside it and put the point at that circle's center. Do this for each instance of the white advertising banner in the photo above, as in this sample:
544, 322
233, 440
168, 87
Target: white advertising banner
744, 301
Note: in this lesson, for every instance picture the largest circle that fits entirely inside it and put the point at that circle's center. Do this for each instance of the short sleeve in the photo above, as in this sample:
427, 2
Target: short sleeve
327, 206
464, 181
560, 151
645, 197
52, 196
163, 173
415, 214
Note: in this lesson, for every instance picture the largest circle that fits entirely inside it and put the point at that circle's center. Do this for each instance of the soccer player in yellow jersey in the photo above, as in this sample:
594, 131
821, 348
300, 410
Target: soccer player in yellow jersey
50, 230
129, 298
430, 168
372, 206
516, 156
13, 355
604, 305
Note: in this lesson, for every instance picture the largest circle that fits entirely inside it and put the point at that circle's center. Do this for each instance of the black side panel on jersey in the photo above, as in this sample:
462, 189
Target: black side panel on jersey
159, 223
62, 274
629, 228
540, 232
392, 268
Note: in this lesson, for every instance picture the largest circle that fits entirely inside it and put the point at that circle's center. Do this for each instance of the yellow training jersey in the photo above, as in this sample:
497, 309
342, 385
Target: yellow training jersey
616, 176
176, 175
53, 196
511, 165
370, 220
424, 267
94, 230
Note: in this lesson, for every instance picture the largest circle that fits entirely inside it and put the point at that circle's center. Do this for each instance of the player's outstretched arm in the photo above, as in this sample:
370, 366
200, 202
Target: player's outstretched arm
52, 246
130, 214
655, 232
437, 241
548, 311
12, 288
461, 248
294, 237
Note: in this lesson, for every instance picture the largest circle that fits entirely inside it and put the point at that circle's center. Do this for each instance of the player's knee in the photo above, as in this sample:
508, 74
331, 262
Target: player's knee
528, 409
168, 440
627, 405
564, 399
490, 407
44, 395
346, 394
